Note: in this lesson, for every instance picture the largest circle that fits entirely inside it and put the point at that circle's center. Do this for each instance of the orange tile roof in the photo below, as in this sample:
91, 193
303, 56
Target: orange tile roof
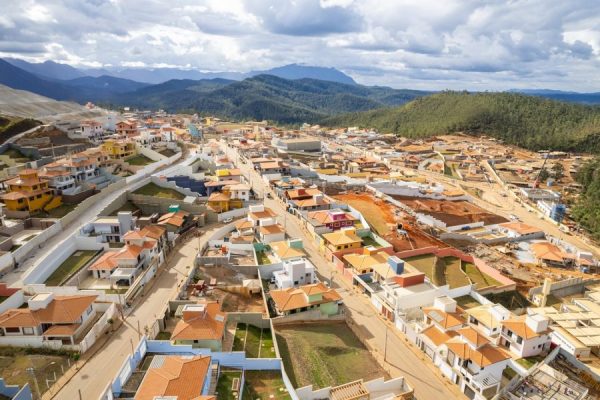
293, 299
106, 262
218, 196
61, 310
342, 237
153, 231
484, 356
201, 326
129, 252
520, 228
520, 327
271, 229
312, 202
326, 216
179, 376
438, 337
284, 251
267, 213
244, 224
62, 330
446, 320
296, 193
547, 251
474, 337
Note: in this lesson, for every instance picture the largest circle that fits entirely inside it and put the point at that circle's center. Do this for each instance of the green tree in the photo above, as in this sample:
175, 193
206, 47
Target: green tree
558, 171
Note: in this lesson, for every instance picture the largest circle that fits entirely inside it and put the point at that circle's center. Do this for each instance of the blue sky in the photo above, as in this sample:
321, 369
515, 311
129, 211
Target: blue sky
421, 44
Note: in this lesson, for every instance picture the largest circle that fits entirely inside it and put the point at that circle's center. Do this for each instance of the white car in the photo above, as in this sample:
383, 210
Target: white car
228, 220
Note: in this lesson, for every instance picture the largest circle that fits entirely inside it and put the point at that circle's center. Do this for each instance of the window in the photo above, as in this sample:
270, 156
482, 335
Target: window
27, 331
12, 330
519, 339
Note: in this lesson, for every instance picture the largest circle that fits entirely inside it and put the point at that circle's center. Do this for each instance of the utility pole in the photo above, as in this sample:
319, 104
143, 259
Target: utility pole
385, 344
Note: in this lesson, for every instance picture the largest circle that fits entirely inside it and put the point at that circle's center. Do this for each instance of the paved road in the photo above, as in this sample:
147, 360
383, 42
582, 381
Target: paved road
15, 277
103, 366
402, 358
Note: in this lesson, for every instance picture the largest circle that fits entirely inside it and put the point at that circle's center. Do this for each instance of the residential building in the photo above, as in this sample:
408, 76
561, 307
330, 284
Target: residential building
176, 377
288, 249
91, 128
112, 228
176, 222
367, 261
375, 389
51, 317
127, 128
271, 231
342, 240
228, 174
487, 318
547, 253
526, 335
119, 149
332, 220
520, 231
316, 296
202, 325
295, 272
317, 202
28, 192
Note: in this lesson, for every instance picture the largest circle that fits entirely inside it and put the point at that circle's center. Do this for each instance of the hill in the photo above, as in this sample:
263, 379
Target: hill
574, 97
297, 71
47, 69
526, 121
11, 126
266, 97
109, 84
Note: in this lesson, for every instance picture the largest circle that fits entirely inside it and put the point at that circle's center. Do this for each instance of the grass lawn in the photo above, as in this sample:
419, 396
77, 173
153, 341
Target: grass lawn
466, 302
423, 263
61, 210
14, 364
511, 300
163, 336
479, 278
325, 355
369, 241
264, 385
449, 272
225, 383
262, 258
154, 190
530, 361
72, 264
256, 342
455, 277
128, 206
139, 160
116, 291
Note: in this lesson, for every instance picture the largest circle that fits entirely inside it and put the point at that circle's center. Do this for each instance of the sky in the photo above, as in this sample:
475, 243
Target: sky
419, 44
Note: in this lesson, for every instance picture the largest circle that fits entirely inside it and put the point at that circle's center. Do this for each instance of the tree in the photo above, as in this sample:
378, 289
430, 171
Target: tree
544, 174
558, 171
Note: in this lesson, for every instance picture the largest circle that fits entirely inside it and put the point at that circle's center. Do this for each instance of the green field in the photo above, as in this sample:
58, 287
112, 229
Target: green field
225, 383
138, 160
325, 355
256, 342
72, 264
61, 210
154, 190
440, 271
479, 278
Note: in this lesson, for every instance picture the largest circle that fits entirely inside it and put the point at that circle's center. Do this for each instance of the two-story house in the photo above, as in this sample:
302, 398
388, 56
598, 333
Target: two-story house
295, 272
28, 192
111, 229
49, 317
202, 325
526, 335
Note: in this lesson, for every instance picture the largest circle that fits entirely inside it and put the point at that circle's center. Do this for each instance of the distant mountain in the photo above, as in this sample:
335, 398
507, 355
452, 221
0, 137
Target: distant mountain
266, 97
47, 69
106, 83
518, 119
161, 75
296, 71
573, 97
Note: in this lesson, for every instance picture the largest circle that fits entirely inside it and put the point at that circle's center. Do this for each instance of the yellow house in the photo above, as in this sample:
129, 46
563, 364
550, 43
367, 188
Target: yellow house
366, 262
343, 239
29, 193
119, 149
225, 201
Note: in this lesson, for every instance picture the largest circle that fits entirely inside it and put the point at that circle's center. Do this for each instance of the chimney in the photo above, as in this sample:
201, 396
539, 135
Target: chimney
193, 311
318, 197
40, 301
396, 264
538, 323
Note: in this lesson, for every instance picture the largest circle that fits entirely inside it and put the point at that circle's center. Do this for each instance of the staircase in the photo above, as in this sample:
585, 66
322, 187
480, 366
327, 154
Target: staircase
54, 202
214, 377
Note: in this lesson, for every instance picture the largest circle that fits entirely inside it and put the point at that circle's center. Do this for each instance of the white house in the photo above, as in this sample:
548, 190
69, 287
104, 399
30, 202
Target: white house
111, 229
295, 273
526, 336
487, 318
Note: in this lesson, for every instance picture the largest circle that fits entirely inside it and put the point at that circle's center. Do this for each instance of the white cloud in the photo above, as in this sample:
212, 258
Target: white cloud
404, 43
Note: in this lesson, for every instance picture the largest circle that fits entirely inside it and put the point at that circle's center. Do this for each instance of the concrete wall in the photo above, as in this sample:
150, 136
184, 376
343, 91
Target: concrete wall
13, 301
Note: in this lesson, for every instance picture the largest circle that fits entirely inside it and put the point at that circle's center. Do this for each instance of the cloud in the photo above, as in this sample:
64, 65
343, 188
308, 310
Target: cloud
459, 44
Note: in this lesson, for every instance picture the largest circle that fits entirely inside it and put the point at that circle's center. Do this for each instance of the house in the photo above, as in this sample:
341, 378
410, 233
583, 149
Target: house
91, 128
271, 232
342, 240
332, 220
487, 318
301, 193
127, 128
67, 173
176, 222
28, 192
375, 389
142, 249
111, 229
317, 202
474, 364
274, 167
119, 149
550, 254
176, 377
316, 296
288, 249
202, 325
228, 174
296, 272
526, 335
51, 317
441, 323
240, 191
367, 261
519, 231
231, 197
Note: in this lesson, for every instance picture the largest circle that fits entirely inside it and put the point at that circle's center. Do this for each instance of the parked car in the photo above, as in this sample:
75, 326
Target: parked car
228, 220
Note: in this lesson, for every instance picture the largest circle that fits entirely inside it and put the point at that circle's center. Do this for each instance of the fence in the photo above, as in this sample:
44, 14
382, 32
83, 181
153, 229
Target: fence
98, 328
22, 252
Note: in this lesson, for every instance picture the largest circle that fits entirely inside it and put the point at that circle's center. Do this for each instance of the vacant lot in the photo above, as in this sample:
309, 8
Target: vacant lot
154, 190
15, 362
440, 271
168, 152
61, 210
72, 264
265, 385
139, 160
325, 355
479, 278
256, 342
378, 213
